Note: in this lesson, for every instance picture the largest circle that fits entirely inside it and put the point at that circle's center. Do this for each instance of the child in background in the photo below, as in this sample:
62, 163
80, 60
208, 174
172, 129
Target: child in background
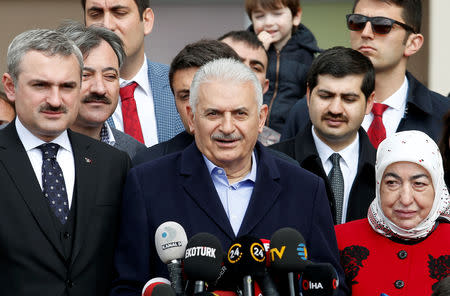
291, 48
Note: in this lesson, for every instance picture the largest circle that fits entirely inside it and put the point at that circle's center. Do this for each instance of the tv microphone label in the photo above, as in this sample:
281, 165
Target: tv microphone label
171, 245
200, 251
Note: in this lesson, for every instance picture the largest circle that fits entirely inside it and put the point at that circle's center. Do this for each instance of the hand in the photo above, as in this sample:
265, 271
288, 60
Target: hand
265, 38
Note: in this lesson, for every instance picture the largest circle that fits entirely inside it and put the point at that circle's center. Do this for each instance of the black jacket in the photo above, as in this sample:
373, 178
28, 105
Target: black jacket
424, 112
288, 84
303, 149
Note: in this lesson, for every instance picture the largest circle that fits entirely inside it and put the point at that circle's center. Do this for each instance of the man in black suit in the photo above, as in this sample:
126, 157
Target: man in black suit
340, 86
103, 55
60, 191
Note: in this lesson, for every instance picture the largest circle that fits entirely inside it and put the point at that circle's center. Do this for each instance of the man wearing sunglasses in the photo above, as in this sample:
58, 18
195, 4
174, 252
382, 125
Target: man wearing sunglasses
388, 33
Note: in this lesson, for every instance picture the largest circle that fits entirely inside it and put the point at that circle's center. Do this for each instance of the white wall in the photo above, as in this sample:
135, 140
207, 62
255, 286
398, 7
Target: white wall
439, 40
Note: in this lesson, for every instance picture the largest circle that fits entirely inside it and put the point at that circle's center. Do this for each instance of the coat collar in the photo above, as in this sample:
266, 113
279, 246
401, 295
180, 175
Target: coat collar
418, 95
197, 182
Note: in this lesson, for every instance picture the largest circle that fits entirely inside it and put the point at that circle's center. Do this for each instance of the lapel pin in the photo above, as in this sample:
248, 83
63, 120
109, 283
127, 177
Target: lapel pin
88, 160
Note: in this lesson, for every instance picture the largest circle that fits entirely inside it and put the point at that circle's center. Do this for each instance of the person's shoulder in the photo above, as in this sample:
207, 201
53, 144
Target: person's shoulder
100, 147
157, 67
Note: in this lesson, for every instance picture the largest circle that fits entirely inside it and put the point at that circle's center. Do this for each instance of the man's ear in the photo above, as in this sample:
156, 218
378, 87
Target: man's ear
369, 103
308, 94
413, 44
297, 18
265, 86
9, 87
262, 117
190, 119
148, 18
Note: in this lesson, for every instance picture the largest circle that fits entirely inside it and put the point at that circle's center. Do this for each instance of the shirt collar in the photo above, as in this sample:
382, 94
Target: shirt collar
141, 78
212, 168
106, 135
30, 141
347, 154
397, 100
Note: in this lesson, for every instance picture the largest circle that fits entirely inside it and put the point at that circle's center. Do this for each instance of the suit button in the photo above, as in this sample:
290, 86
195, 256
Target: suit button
402, 254
69, 284
399, 284
66, 235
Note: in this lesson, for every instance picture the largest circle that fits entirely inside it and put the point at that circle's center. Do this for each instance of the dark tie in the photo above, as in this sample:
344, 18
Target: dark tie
131, 124
376, 131
337, 185
54, 186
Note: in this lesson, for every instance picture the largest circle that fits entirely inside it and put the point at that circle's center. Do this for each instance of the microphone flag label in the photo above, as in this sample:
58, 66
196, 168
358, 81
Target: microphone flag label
302, 251
171, 245
258, 252
200, 251
234, 253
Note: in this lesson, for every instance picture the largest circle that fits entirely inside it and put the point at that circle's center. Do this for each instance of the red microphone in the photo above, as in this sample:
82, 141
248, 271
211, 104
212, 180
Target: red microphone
151, 284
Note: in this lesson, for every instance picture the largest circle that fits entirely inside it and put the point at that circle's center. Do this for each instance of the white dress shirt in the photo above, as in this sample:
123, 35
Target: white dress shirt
64, 157
348, 164
144, 104
394, 113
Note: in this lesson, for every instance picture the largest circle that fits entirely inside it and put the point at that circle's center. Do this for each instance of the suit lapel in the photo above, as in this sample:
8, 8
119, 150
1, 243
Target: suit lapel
86, 188
198, 184
18, 165
265, 193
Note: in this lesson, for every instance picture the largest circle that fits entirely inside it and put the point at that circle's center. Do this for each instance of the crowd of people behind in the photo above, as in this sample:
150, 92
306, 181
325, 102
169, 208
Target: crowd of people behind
240, 136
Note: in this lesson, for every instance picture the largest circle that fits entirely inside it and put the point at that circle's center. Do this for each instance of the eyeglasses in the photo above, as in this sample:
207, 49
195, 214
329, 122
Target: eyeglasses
380, 24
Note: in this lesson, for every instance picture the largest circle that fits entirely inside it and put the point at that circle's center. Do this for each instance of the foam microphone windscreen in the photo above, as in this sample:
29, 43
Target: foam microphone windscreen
288, 251
170, 241
203, 258
163, 290
247, 256
152, 284
319, 279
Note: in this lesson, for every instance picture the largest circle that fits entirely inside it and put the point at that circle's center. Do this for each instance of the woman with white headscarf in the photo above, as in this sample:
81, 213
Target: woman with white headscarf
403, 247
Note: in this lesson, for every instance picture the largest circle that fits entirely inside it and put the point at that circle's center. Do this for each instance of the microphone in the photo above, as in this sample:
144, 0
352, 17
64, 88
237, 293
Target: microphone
203, 260
151, 286
266, 283
163, 290
247, 258
170, 243
288, 254
320, 279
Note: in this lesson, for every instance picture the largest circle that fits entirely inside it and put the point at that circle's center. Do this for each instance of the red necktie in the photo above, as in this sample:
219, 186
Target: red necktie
131, 124
377, 132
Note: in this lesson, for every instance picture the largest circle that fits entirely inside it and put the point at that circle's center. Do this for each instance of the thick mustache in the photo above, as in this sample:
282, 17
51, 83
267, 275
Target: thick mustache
225, 137
332, 116
49, 108
96, 98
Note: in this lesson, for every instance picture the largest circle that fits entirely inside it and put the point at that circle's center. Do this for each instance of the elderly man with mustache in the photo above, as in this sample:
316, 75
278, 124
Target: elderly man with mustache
226, 183
103, 56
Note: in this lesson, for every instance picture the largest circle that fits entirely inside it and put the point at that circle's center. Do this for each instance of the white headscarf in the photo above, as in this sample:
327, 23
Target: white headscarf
415, 147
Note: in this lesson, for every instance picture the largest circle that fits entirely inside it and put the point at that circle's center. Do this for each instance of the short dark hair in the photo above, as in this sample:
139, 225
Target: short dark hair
247, 37
88, 38
412, 11
3, 97
200, 53
339, 62
444, 145
142, 5
251, 5
443, 287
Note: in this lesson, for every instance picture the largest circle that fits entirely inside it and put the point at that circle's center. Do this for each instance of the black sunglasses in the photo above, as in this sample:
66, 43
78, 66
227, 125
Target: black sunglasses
380, 24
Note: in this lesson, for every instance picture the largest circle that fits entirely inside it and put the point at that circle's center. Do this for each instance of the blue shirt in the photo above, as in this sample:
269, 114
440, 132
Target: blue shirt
235, 197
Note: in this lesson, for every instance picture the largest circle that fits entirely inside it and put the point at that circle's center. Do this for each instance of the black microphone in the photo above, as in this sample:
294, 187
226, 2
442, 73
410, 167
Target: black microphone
288, 254
266, 282
320, 279
247, 259
203, 260
163, 290
170, 243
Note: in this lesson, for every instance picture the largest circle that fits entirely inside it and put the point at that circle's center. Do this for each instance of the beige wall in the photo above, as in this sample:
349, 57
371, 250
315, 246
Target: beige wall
17, 16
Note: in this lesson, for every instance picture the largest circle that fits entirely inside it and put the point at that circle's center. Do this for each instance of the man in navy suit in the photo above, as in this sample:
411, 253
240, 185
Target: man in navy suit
225, 183
157, 119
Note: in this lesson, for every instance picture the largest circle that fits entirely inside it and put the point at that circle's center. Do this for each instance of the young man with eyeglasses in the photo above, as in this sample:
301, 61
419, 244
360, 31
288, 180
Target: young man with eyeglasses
388, 33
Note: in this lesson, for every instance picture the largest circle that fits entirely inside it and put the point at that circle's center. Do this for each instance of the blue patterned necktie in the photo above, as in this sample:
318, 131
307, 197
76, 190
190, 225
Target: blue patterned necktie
337, 185
54, 187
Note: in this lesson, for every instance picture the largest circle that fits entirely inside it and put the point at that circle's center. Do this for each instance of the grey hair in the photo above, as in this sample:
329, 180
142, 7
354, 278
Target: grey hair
49, 42
224, 70
88, 38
